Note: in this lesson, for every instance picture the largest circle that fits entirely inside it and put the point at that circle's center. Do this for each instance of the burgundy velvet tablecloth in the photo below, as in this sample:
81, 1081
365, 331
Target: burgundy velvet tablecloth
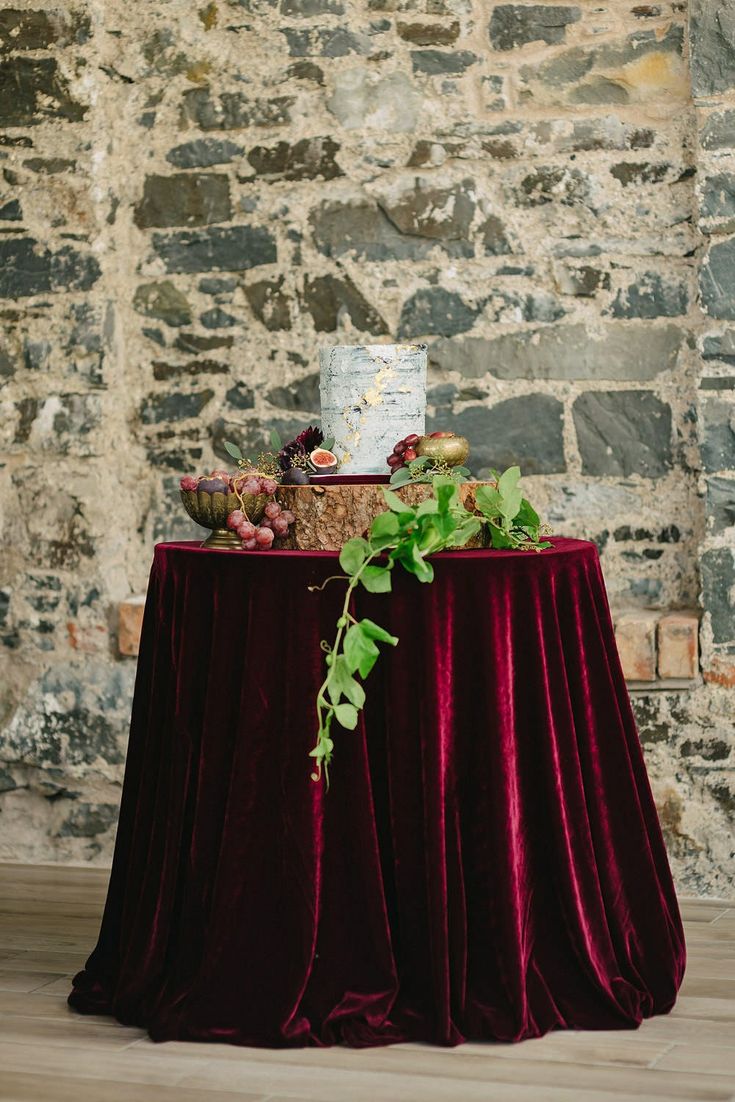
486, 864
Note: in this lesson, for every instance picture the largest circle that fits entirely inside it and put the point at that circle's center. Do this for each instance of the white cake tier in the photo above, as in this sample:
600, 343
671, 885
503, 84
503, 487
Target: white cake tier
372, 395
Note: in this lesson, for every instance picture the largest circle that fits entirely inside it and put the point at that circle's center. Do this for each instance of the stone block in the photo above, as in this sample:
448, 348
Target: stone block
717, 280
514, 25
29, 268
651, 296
163, 301
623, 433
308, 8
712, 49
204, 152
635, 637
721, 503
366, 231
678, 645
32, 90
443, 63
233, 110
717, 203
159, 409
308, 159
717, 570
325, 42
435, 311
184, 199
329, 300
429, 34
629, 352
720, 670
270, 303
220, 249
38, 30
500, 434
363, 100
129, 624
717, 434
718, 131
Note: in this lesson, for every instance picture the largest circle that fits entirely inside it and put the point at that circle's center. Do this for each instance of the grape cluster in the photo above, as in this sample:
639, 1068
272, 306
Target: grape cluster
403, 452
259, 537
222, 482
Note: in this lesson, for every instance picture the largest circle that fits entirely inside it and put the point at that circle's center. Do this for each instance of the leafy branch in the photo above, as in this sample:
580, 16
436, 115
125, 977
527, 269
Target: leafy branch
406, 536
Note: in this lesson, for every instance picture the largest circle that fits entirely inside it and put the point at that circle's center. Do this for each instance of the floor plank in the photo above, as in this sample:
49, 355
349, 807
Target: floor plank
49, 920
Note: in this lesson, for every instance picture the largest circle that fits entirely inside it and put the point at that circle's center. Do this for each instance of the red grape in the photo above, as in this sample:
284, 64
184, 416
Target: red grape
399, 448
235, 519
280, 526
268, 485
409, 454
188, 483
412, 440
246, 531
264, 536
288, 516
272, 510
252, 486
249, 545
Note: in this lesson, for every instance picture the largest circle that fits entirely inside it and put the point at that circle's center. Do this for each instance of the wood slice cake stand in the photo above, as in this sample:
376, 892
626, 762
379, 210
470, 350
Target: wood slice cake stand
329, 513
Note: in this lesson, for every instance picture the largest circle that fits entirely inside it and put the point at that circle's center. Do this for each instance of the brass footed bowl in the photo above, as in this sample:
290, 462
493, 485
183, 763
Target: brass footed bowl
212, 511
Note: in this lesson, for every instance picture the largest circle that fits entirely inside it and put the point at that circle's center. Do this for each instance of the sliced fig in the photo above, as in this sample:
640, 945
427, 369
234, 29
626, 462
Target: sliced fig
322, 461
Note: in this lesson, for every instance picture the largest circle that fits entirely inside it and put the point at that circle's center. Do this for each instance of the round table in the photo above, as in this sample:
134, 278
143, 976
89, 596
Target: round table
487, 862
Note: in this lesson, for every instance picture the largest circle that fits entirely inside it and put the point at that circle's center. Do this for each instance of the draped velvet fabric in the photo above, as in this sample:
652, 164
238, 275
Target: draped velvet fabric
487, 862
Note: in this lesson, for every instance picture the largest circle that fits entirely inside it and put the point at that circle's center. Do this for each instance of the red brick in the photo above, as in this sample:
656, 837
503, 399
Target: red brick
678, 645
130, 622
635, 635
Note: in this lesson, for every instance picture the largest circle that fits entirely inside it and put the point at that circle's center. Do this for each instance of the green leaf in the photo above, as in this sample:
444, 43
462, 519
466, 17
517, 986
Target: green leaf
346, 715
328, 445
488, 500
500, 539
353, 555
465, 471
233, 450
510, 503
418, 565
464, 533
385, 524
376, 579
419, 463
527, 515
374, 631
275, 440
428, 507
400, 477
395, 503
509, 480
342, 683
360, 652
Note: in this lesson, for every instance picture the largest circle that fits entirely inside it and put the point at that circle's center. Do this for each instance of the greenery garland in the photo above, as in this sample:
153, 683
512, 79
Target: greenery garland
407, 536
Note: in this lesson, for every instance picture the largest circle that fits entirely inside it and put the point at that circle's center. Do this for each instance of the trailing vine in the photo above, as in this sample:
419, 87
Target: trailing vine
407, 536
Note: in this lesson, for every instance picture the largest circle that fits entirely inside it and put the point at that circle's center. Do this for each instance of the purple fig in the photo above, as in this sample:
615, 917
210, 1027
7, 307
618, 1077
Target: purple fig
213, 486
295, 477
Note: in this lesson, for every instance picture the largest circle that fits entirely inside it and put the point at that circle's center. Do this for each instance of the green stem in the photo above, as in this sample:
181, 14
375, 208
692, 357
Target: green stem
324, 718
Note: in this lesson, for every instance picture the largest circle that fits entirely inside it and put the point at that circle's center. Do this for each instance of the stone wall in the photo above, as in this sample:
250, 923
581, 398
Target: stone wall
194, 199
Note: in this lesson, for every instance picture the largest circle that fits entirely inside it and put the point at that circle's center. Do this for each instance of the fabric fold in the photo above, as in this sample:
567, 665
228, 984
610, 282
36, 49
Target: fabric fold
487, 863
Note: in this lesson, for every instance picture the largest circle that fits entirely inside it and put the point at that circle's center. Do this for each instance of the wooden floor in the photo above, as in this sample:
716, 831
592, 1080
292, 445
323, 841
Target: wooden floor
49, 917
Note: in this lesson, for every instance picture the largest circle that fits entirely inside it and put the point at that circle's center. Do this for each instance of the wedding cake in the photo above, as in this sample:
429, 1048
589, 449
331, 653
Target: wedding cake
371, 396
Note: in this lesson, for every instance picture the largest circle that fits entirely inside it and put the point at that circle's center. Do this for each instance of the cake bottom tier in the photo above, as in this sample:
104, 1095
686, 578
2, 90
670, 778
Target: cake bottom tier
329, 515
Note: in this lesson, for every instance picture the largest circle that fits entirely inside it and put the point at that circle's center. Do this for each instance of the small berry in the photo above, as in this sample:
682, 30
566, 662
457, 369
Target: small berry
249, 545
264, 536
268, 485
280, 526
266, 523
272, 510
252, 486
188, 483
235, 519
412, 440
246, 531
288, 516
409, 454
399, 448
